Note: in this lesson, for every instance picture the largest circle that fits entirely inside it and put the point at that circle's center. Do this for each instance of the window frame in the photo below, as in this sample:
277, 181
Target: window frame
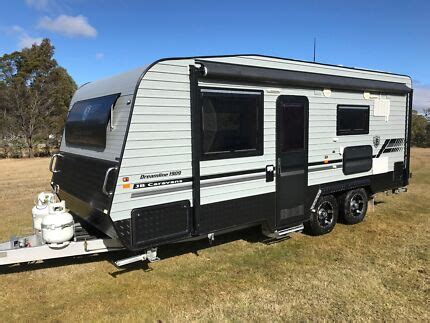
259, 151
352, 132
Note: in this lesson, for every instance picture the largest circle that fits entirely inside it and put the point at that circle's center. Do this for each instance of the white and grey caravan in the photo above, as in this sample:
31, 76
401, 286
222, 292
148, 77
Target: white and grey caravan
194, 147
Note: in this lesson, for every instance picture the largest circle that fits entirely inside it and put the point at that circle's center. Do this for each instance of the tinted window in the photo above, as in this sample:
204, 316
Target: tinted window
232, 123
352, 120
87, 121
292, 130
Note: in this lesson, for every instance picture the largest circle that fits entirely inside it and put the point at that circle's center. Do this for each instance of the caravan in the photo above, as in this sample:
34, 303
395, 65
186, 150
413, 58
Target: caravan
189, 148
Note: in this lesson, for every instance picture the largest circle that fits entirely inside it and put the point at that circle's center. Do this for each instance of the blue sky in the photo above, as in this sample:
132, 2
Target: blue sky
95, 38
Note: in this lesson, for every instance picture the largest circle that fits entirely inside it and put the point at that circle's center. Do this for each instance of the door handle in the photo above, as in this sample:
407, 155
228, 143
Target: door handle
104, 188
269, 173
52, 164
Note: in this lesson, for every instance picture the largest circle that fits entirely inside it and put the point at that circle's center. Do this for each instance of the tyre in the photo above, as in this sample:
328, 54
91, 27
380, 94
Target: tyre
353, 206
324, 218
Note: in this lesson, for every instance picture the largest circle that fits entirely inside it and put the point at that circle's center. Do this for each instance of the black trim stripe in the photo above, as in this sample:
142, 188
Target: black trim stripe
242, 172
390, 145
334, 161
234, 180
328, 167
382, 148
163, 183
164, 190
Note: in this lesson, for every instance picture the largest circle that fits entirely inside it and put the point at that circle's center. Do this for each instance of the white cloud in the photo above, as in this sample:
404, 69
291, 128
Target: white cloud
38, 4
69, 26
16, 29
27, 41
421, 98
100, 56
24, 39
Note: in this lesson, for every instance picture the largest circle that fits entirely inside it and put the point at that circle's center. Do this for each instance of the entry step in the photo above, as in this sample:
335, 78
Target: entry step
279, 234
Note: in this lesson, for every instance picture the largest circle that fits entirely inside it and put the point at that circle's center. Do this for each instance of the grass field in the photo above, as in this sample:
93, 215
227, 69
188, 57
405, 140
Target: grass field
376, 270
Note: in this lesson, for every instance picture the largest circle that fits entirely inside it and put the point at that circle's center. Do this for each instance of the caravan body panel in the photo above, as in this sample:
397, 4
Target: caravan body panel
152, 143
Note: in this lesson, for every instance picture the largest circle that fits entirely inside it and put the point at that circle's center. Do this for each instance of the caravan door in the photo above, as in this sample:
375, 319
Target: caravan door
292, 159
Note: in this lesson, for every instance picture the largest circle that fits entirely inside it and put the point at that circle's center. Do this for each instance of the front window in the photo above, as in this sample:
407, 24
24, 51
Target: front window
87, 121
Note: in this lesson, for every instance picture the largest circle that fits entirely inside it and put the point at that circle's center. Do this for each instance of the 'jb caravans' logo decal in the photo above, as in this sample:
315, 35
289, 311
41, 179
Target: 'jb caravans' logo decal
161, 183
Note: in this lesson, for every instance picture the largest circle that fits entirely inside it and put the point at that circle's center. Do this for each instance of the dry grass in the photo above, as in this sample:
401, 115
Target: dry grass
376, 270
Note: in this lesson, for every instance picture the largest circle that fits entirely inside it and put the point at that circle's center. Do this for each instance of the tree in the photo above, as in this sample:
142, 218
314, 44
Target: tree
427, 144
418, 130
34, 93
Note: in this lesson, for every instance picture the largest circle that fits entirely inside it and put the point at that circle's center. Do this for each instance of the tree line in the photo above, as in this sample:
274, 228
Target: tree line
420, 130
35, 94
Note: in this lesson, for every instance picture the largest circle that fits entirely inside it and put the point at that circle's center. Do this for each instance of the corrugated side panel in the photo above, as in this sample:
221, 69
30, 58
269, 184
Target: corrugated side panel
323, 142
159, 139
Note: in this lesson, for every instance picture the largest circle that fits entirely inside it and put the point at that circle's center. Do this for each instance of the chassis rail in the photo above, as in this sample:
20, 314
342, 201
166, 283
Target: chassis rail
10, 254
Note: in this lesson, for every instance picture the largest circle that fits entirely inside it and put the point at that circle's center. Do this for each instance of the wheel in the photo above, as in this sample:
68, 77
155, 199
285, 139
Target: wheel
353, 206
324, 218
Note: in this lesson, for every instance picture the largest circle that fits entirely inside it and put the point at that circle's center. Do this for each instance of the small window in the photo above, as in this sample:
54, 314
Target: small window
232, 123
352, 119
87, 121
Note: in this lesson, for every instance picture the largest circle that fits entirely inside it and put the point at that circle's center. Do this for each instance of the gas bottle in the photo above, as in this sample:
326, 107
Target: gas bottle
41, 209
58, 225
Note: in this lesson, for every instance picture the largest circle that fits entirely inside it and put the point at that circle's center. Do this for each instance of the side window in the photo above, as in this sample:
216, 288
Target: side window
352, 120
232, 123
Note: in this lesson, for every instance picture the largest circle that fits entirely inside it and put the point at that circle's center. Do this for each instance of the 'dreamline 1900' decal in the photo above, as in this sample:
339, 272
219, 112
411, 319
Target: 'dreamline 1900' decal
161, 174
162, 183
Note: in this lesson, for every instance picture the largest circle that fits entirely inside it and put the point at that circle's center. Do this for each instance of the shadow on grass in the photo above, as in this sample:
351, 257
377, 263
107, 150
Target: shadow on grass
252, 235
379, 202
59, 262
